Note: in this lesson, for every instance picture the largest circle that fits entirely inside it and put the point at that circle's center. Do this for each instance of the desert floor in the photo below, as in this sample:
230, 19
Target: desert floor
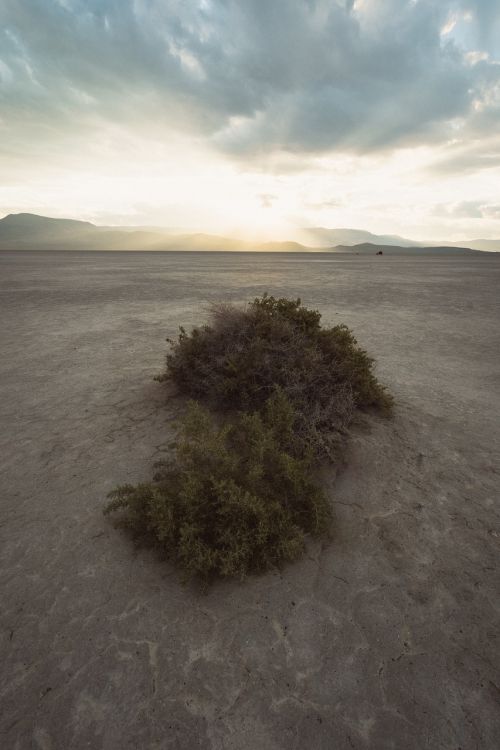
386, 637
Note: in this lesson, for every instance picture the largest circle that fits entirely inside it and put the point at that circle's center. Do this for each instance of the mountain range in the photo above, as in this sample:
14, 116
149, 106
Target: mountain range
26, 231
323, 237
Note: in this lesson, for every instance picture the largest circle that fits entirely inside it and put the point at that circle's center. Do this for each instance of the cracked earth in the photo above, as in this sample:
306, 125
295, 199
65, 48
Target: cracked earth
386, 637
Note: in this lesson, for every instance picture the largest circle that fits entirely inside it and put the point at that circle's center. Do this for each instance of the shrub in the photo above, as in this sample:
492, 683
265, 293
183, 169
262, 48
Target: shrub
239, 494
233, 499
237, 361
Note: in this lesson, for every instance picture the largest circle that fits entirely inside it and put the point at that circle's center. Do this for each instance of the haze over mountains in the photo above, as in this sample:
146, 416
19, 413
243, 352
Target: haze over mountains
323, 237
32, 232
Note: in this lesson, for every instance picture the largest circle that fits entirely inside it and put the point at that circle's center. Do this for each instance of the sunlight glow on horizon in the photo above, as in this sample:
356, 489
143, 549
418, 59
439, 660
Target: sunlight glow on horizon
194, 191
200, 117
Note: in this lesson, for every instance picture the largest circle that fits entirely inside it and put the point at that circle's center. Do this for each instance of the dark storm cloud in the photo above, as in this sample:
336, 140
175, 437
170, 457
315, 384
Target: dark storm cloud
251, 77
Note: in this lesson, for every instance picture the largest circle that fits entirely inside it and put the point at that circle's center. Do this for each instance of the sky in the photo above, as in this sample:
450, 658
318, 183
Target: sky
254, 117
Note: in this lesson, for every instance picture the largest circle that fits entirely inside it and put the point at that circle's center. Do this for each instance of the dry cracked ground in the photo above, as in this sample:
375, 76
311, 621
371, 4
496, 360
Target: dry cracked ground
387, 637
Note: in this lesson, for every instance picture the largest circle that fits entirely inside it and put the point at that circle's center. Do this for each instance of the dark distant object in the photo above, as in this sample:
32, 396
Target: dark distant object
380, 252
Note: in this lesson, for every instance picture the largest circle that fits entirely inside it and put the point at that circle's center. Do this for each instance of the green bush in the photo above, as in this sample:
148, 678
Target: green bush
233, 499
239, 494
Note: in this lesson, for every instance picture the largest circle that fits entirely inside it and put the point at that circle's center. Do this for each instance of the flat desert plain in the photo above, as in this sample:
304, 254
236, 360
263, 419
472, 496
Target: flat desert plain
386, 637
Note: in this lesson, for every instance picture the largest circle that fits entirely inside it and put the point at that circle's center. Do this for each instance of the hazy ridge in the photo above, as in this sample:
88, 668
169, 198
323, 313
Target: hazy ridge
32, 232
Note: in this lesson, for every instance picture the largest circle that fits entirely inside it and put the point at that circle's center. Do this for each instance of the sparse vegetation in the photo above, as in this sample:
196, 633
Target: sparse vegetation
233, 499
239, 493
237, 361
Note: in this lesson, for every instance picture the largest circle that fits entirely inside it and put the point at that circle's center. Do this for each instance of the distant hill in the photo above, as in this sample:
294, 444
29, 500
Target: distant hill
369, 248
31, 232
27, 228
323, 237
487, 245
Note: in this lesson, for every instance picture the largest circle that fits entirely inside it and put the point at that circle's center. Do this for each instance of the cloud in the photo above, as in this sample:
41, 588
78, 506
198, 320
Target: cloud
461, 210
475, 151
250, 78
327, 204
492, 211
267, 200
468, 210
